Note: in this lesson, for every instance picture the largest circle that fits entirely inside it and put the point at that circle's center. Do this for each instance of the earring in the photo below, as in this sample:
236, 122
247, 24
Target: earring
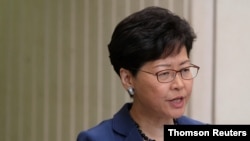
131, 91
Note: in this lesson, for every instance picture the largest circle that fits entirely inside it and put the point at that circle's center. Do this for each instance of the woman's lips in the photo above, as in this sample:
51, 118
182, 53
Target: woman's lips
177, 102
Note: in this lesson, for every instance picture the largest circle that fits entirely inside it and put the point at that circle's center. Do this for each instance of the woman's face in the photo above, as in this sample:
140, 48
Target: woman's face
163, 99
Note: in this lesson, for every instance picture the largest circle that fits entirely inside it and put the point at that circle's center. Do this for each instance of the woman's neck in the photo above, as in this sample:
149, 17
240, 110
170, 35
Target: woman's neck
147, 118
149, 124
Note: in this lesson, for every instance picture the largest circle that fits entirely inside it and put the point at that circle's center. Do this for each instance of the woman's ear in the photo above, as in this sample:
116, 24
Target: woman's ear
126, 78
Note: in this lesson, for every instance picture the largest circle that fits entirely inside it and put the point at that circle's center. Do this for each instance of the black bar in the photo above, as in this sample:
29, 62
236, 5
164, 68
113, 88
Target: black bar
171, 131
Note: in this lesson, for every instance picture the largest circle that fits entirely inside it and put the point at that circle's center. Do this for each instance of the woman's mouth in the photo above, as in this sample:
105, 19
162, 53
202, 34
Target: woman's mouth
177, 102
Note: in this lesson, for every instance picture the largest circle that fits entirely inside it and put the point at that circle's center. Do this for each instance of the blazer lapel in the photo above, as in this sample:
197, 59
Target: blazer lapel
124, 124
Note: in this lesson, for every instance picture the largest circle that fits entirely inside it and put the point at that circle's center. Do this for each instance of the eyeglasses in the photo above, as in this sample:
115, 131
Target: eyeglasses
169, 75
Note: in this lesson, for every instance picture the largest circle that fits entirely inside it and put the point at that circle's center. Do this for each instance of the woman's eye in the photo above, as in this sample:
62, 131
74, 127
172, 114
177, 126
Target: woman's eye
185, 70
165, 73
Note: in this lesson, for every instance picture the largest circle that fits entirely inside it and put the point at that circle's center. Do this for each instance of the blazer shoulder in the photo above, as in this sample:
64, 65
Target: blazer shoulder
98, 132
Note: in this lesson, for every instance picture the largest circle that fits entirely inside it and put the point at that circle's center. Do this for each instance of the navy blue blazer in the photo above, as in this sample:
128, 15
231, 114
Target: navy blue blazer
122, 128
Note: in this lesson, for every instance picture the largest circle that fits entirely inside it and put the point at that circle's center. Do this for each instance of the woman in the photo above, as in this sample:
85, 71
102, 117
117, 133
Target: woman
149, 51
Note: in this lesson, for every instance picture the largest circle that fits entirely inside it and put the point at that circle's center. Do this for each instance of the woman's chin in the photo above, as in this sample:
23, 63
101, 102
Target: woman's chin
177, 113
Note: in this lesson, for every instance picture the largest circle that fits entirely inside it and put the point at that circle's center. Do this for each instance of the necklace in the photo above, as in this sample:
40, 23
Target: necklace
144, 136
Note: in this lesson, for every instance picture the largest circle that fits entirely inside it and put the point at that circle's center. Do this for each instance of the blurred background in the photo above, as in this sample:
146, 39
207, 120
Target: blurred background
55, 75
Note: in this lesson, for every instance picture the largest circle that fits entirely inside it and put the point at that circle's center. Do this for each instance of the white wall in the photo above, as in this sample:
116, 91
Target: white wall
201, 105
232, 61
222, 89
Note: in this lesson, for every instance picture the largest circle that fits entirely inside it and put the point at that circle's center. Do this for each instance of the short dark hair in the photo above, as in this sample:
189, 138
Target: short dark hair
147, 35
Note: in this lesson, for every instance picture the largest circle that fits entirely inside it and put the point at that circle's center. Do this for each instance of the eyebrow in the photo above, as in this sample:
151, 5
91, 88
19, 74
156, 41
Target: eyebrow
187, 61
169, 65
